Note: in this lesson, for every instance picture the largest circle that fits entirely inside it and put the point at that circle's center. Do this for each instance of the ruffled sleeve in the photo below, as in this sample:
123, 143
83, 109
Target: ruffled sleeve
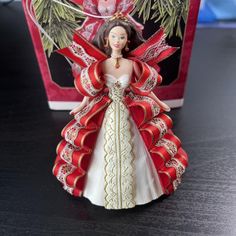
147, 79
89, 82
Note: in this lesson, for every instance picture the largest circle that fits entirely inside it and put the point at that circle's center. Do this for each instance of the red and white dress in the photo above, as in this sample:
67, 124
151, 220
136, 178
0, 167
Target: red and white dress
119, 150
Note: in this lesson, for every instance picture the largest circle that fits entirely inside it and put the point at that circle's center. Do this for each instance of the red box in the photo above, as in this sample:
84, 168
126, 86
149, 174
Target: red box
62, 95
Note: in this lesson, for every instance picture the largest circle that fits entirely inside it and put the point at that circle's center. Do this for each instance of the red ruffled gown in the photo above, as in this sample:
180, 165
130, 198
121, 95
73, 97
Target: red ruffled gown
119, 150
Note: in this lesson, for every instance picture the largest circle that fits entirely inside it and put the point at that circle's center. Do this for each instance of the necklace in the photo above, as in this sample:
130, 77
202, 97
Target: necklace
117, 57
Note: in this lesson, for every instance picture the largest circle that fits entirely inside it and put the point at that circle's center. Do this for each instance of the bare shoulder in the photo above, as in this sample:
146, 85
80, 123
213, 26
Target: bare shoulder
128, 61
106, 63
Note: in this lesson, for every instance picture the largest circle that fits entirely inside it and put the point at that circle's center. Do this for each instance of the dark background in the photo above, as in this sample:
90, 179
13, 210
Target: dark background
32, 201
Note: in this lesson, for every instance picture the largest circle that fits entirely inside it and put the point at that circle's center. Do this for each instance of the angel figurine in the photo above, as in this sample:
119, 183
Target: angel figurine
119, 150
103, 8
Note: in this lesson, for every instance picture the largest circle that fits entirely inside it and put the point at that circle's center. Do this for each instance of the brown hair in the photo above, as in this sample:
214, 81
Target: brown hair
134, 36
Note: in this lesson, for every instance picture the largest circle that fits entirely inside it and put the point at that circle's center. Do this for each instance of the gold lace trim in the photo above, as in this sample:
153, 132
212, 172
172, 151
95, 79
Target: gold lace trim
160, 124
62, 174
87, 83
180, 169
80, 52
119, 158
72, 133
170, 146
151, 81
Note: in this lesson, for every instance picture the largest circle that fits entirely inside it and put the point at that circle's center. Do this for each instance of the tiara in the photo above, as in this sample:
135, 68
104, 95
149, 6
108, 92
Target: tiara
118, 15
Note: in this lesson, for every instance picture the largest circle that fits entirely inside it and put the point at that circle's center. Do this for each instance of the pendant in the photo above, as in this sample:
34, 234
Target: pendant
117, 65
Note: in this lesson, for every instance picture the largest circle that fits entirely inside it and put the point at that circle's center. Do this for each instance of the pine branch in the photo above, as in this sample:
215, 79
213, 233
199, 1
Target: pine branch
58, 21
169, 13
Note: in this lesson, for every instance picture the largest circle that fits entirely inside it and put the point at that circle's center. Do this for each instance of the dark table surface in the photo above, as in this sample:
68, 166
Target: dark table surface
32, 201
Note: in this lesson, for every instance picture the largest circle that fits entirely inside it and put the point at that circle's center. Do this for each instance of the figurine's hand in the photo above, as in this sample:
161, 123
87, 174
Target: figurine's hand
160, 103
164, 106
81, 106
77, 109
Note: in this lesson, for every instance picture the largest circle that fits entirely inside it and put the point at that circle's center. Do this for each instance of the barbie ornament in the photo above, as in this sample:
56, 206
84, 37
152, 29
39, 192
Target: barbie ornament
119, 150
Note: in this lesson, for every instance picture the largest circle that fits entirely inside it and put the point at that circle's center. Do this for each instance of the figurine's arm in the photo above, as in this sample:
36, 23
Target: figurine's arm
159, 102
152, 95
81, 106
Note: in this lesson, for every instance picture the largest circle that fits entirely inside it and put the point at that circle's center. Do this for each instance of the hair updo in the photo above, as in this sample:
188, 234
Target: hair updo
133, 35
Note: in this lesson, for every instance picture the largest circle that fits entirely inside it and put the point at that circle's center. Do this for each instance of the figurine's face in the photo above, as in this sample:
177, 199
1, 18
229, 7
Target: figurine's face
117, 38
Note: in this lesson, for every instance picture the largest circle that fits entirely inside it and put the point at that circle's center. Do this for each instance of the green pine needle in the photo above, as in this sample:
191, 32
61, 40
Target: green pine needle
58, 21
169, 13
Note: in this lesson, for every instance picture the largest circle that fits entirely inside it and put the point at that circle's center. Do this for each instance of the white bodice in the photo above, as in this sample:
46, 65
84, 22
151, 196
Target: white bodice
111, 80
117, 86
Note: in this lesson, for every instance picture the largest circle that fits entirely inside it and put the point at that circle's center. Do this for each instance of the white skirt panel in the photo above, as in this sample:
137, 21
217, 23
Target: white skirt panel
147, 184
